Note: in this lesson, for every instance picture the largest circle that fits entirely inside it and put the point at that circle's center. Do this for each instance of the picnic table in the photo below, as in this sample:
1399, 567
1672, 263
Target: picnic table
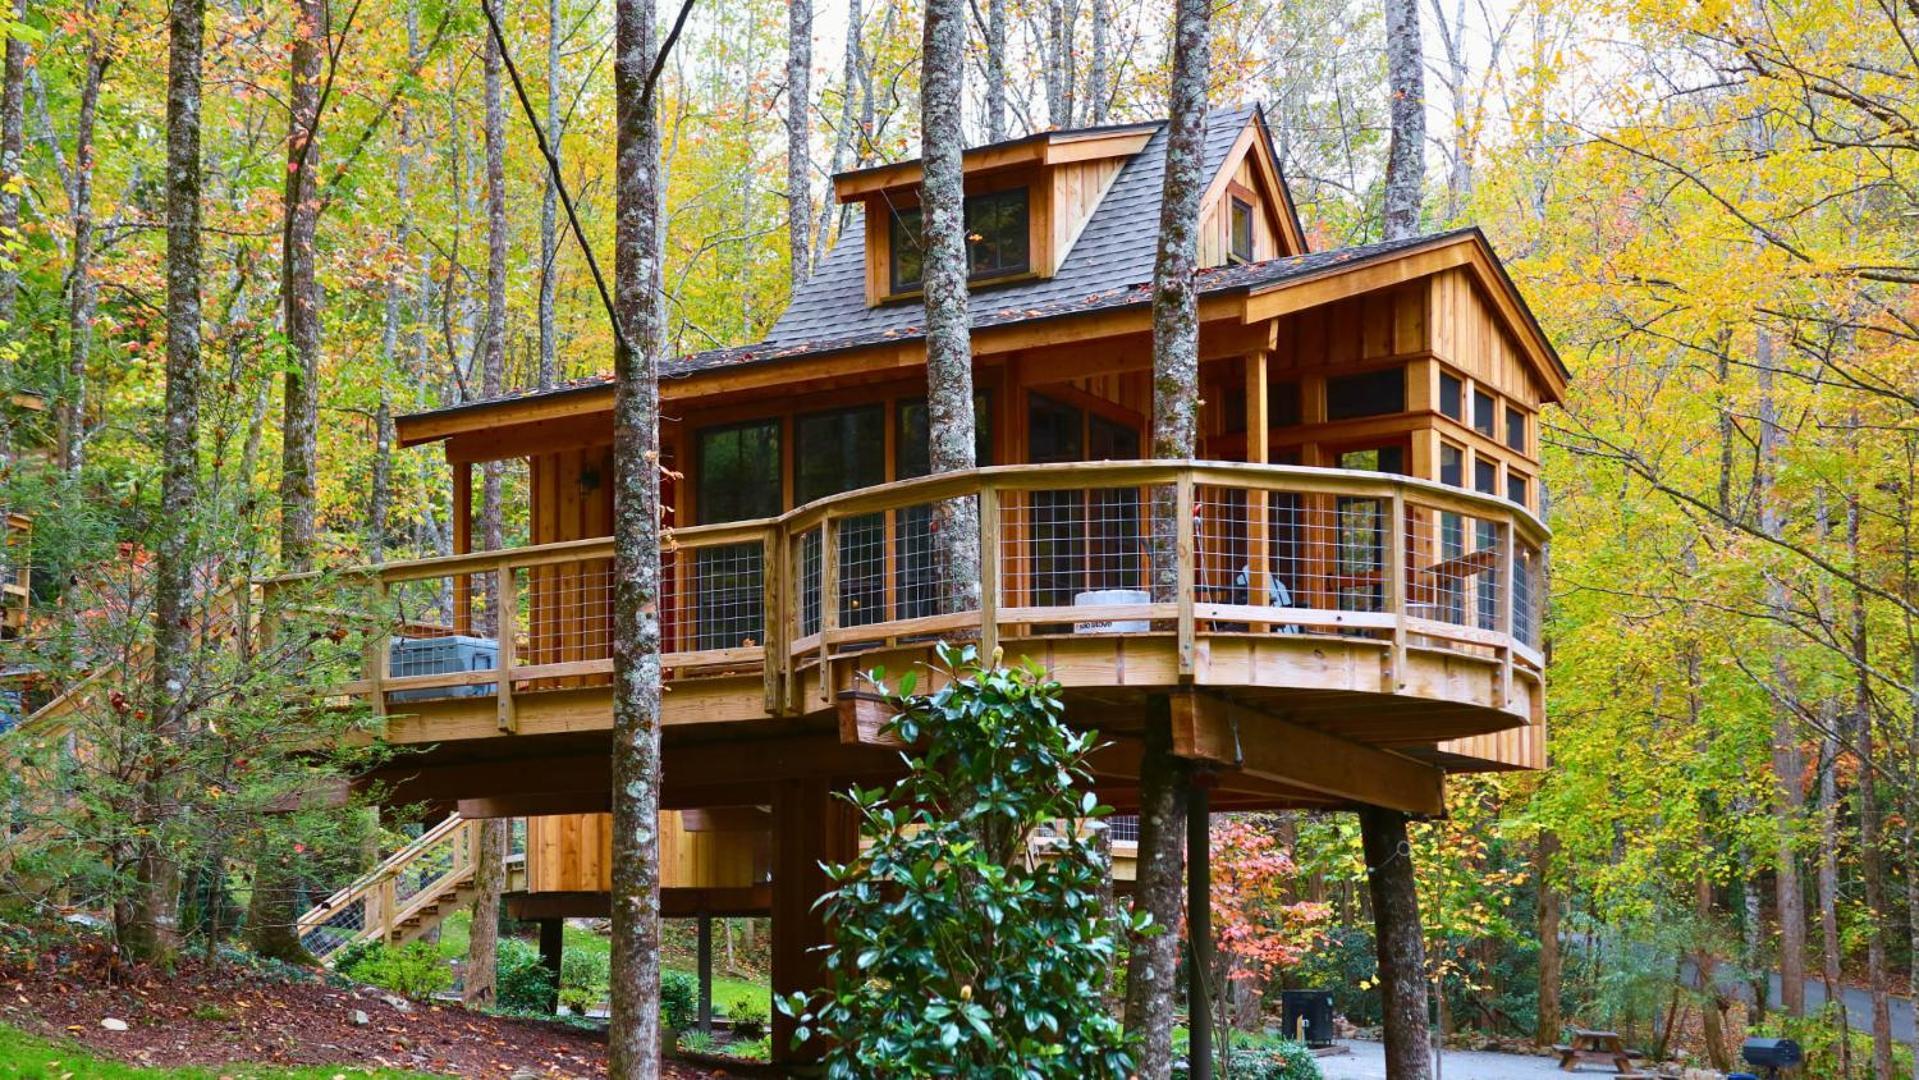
1597, 1047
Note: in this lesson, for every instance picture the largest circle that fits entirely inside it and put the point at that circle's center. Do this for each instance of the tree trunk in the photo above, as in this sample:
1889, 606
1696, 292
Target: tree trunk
949, 346
483, 941
799, 153
550, 207
1788, 760
1152, 963
1098, 93
84, 292
12, 135
995, 70
1406, 91
300, 288
1551, 966
1401, 945
493, 333
843, 142
633, 1040
1871, 857
155, 930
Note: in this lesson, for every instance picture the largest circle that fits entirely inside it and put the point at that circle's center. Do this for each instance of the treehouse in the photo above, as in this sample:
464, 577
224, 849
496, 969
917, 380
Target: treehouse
1357, 556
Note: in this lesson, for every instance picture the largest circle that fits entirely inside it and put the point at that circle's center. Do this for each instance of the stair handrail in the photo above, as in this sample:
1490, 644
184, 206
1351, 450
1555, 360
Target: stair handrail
389, 867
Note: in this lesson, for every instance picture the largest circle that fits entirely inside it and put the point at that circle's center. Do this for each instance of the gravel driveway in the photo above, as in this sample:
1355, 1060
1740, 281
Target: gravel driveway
1367, 1061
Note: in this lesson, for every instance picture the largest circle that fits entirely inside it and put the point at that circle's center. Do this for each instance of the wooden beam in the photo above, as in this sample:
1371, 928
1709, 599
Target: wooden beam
726, 819
1224, 733
747, 901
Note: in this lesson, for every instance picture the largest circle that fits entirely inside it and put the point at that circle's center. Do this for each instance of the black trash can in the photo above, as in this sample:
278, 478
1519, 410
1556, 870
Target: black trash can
1307, 1015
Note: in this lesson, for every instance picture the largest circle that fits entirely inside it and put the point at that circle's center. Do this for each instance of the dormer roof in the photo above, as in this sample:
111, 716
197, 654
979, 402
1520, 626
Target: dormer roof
1115, 248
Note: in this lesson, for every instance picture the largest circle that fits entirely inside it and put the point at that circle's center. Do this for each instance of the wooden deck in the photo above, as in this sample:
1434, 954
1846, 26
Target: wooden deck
1386, 613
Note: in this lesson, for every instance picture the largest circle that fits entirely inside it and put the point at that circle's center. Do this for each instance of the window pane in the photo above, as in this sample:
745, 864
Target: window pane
1486, 476
1516, 488
1483, 413
1282, 404
1516, 429
905, 249
913, 453
1374, 393
739, 472
838, 451
996, 233
1450, 391
1242, 231
1386, 459
1052, 430
1452, 465
1111, 441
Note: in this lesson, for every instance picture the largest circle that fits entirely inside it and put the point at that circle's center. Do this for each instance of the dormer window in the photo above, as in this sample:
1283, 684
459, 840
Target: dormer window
1242, 235
998, 241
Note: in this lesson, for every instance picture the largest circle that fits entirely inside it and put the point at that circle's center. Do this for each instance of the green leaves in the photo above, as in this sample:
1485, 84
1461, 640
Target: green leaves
968, 936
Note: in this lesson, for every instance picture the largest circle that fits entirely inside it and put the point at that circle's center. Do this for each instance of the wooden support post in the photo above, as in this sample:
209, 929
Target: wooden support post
1258, 517
506, 621
705, 962
552, 957
809, 826
1199, 928
462, 544
1186, 552
989, 569
389, 909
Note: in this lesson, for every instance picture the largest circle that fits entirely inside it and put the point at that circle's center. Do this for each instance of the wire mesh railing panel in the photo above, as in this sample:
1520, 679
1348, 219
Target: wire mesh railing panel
1290, 550
722, 602
920, 582
1529, 595
1454, 566
1083, 547
338, 929
808, 569
567, 613
863, 561
443, 628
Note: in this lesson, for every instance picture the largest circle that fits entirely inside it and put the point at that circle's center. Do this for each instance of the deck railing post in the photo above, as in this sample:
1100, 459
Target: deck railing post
506, 620
829, 600
389, 908
988, 571
1398, 525
772, 618
1185, 552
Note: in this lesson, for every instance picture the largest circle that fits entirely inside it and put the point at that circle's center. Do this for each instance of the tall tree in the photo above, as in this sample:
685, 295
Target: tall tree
1098, 76
495, 833
83, 295
550, 208
13, 85
1406, 92
300, 286
949, 344
1165, 781
639, 324
995, 70
799, 142
848, 137
156, 926
1398, 935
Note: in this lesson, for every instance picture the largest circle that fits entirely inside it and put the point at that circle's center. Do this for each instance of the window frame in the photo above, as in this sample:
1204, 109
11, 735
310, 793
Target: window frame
1239, 210
897, 232
1354, 377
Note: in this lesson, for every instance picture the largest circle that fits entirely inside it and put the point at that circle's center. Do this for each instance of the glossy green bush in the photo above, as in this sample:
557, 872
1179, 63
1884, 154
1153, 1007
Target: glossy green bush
955, 952
414, 971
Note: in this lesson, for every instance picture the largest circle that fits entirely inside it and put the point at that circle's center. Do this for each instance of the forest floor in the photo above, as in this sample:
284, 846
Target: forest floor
228, 1013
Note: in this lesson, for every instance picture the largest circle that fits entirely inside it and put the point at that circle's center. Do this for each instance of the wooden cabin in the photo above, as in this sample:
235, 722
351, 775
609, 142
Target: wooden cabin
1358, 557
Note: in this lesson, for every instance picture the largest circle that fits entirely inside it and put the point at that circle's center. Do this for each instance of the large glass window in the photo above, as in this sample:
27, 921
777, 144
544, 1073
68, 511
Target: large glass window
1516, 429
739, 472
918, 580
1282, 404
1081, 539
997, 240
838, 451
1484, 419
1386, 459
913, 457
738, 479
1452, 465
1370, 393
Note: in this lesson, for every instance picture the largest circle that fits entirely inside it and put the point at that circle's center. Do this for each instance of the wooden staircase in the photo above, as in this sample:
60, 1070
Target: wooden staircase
406, 896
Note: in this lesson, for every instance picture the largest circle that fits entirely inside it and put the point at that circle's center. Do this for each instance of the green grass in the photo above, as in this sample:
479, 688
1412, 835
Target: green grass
26, 1057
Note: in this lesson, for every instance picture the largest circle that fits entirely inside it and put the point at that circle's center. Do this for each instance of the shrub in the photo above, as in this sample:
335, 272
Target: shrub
698, 1042
1277, 1060
679, 998
1818, 1036
586, 969
748, 1017
414, 971
954, 952
521, 982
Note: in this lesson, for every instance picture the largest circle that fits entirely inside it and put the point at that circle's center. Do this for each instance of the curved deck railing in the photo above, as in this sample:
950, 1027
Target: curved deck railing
1072, 549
